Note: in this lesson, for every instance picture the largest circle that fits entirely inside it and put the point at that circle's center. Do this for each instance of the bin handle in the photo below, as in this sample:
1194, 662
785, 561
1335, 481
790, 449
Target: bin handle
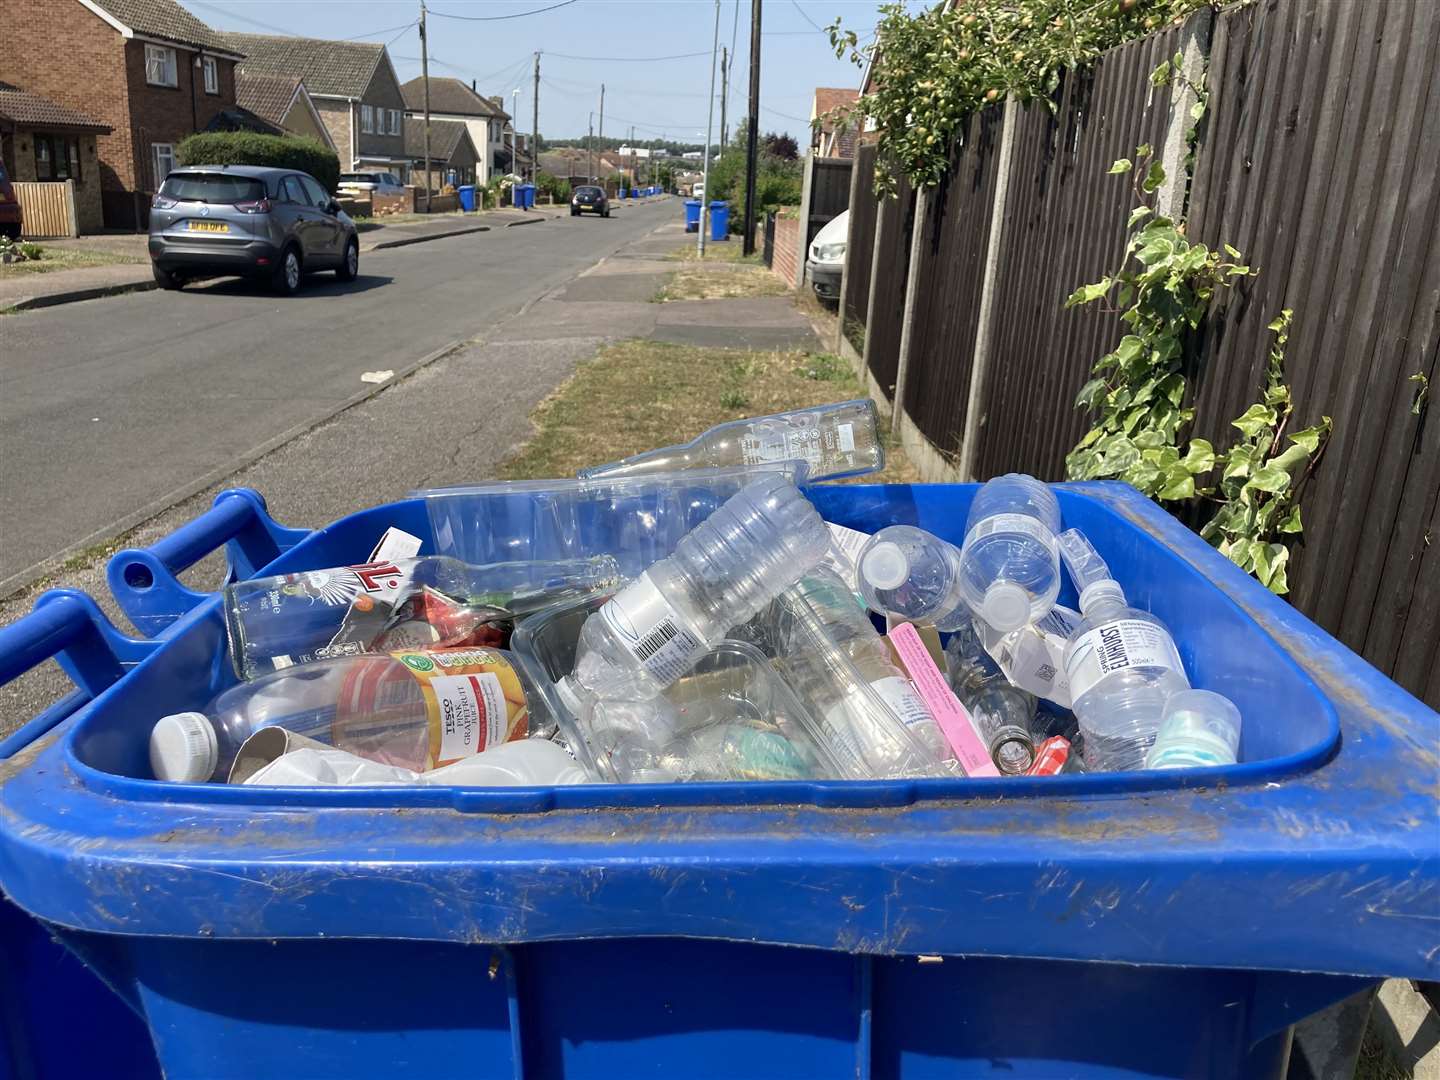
70, 627
143, 580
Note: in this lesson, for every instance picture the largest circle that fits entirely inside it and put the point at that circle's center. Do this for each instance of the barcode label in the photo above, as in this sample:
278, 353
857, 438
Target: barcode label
652, 642
644, 621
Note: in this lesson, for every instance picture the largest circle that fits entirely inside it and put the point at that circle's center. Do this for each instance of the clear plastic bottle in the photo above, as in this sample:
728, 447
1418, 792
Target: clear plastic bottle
1003, 713
418, 709
1200, 729
1121, 662
873, 720
760, 541
832, 440
278, 622
1007, 571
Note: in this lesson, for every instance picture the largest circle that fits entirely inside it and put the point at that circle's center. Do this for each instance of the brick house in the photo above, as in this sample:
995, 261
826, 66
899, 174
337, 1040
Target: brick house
352, 85
453, 157
43, 140
147, 69
452, 100
284, 102
833, 133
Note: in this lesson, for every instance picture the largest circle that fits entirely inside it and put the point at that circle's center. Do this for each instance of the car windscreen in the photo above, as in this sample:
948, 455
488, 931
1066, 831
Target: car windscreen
588, 192
212, 188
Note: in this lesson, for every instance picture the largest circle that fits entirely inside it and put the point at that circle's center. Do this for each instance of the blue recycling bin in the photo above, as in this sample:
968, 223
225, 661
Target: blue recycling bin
806, 929
467, 196
692, 215
719, 220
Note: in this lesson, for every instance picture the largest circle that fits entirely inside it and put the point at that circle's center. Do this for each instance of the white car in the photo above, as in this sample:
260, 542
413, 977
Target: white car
825, 262
698, 192
382, 183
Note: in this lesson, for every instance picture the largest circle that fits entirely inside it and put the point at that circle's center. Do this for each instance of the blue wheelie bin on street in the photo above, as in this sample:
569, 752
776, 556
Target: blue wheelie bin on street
1152, 924
467, 197
719, 220
692, 215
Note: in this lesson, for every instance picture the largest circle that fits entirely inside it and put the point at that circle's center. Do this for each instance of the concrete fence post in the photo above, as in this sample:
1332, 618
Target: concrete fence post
875, 254
1194, 49
985, 329
802, 241
923, 197
849, 251
70, 209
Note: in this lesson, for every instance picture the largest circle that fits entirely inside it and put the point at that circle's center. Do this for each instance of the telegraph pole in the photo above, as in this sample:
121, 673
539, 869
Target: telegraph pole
590, 148
535, 122
724, 96
753, 135
425, 76
601, 145
709, 133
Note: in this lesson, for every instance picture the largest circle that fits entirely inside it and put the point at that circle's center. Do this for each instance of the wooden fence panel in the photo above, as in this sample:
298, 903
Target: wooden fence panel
1319, 164
950, 277
894, 225
860, 250
829, 194
46, 209
1065, 227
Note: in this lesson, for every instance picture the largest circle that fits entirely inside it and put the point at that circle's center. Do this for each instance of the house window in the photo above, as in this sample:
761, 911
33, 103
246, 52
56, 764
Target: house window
367, 119
160, 66
212, 75
394, 121
57, 157
162, 157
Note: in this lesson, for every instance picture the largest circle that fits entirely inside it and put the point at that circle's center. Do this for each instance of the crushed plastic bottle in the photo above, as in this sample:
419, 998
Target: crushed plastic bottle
1003, 713
650, 633
279, 622
1121, 662
419, 709
1007, 571
870, 716
1200, 729
832, 440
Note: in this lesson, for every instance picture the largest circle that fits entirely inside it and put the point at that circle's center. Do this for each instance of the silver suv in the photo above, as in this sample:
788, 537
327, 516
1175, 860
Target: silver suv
278, 224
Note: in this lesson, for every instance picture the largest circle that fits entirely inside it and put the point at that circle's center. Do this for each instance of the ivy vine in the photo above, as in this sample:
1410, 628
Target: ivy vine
933, 68
1138, 392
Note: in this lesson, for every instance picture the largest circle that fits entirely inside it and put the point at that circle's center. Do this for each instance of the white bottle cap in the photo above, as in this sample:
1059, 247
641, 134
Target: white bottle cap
1006, 606
183, 748
885, 566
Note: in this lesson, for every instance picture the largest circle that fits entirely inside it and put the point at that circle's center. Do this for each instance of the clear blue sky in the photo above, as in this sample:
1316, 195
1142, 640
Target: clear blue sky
656, 97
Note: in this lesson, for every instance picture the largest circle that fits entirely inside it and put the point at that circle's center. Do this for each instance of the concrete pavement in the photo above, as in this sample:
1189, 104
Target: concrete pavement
117, 408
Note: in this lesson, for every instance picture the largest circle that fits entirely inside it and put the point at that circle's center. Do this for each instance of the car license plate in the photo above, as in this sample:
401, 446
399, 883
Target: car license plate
208, 226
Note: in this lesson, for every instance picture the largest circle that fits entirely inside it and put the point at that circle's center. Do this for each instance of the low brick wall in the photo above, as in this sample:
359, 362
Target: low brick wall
393, 204
787, 238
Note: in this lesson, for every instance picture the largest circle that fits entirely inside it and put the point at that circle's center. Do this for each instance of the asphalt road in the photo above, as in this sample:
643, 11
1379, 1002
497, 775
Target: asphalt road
110, 407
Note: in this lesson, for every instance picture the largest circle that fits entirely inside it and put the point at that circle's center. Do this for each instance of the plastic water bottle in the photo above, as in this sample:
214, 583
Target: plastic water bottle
722, 572
1199, 729
832, 440
278, 622
1007, 571
1003, 713
871, 718
1121, 662
418, 709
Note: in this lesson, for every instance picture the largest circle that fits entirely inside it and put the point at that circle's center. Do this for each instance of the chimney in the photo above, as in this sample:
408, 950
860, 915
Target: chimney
472, 86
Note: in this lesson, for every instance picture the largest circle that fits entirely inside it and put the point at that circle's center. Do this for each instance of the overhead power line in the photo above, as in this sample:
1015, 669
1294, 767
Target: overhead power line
500, 18
630, 59
796, 5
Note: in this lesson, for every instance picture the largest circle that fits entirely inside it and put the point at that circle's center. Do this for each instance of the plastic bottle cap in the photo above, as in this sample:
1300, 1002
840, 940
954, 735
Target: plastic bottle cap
1006, 606
183, 748
885, 566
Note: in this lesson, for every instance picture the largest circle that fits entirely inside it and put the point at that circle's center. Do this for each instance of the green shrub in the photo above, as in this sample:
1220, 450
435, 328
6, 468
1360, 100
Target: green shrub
557, 187
272, 151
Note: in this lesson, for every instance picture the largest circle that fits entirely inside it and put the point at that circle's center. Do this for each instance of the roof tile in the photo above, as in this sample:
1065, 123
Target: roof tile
31, 110
338, 68
163, 19
449, 96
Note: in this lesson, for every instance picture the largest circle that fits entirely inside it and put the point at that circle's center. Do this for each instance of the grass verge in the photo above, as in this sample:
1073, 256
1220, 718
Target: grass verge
637, 395
723, 274
56, 259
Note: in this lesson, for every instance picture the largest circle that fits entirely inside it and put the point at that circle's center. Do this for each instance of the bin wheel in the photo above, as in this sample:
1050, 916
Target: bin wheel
286, 279
166, 280
605, 212
349, 268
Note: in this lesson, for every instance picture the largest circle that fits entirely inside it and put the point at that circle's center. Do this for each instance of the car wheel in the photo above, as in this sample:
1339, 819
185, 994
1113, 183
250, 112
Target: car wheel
605, 212
574, 213
286, 279
349, 268
165, 279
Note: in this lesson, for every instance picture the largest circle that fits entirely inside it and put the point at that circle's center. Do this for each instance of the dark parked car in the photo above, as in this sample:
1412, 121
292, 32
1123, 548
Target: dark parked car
278, 224
589, 198
9, 207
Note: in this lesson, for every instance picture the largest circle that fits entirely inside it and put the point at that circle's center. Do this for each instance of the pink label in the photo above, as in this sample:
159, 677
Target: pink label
954, 720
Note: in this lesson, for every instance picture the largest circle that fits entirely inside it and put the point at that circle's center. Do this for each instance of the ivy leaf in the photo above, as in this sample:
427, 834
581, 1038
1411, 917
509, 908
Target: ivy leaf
1142, 151
1255, 419
1269, 478
1197, 110
1129, 348
1179, 60
1310, 437
1264, 564
1291, 524
1239, 463
1089, 293
1149, 440
1123, 165
1281, 321
1290, 457
1121, 456
1178, 486
1161, 75
1174, 388
1234, 254
1154, 178
1090, 394
1200, 457
1139, 214
1127, 293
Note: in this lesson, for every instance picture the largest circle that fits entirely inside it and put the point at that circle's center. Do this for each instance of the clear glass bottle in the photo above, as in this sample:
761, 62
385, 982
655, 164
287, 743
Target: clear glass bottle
832, 440
1121, 662
1003, 713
